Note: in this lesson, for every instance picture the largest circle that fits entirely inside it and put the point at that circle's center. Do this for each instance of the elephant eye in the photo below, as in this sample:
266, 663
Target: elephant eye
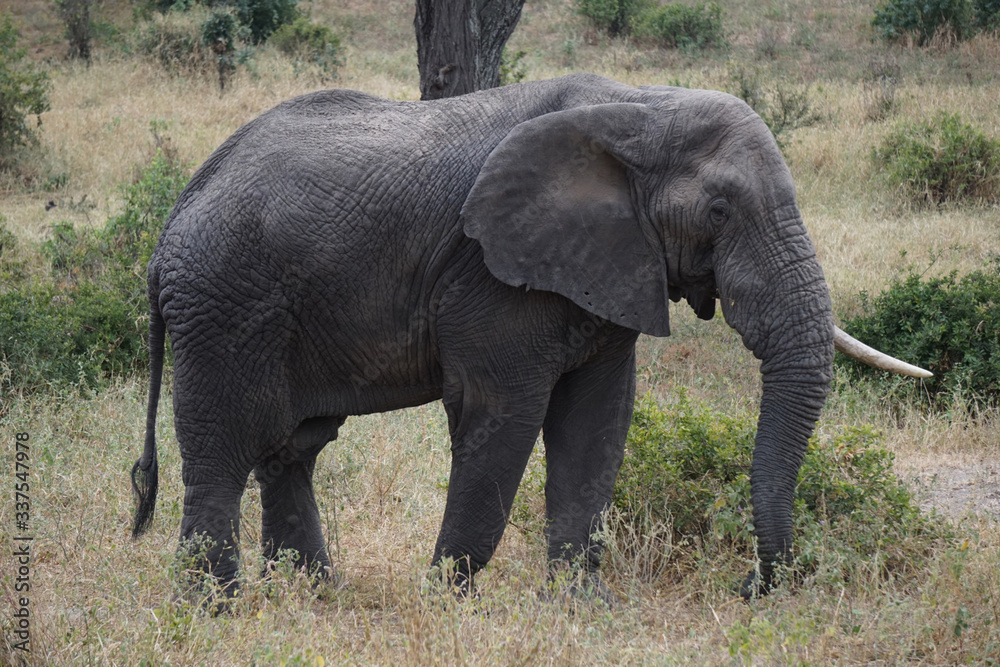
719, 209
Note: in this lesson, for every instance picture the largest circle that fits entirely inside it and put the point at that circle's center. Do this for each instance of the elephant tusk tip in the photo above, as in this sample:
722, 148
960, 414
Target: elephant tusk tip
855, 349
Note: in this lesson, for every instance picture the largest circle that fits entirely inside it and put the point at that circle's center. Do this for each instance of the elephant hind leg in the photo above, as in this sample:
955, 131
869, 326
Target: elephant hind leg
291, 517
210, 528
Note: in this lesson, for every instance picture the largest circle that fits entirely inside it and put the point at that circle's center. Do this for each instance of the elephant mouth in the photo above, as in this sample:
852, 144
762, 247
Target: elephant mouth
701, 298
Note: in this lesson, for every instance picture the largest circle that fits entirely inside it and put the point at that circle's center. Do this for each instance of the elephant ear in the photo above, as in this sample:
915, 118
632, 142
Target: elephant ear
552, 209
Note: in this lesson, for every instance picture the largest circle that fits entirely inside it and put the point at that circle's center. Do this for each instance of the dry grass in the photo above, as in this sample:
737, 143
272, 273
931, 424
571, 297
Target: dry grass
99, 598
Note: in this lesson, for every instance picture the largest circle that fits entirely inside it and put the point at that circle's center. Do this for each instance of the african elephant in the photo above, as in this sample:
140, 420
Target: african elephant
343, 254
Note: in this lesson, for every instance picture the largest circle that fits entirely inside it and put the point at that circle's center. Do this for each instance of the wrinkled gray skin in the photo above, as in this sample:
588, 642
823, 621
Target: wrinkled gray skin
344, 254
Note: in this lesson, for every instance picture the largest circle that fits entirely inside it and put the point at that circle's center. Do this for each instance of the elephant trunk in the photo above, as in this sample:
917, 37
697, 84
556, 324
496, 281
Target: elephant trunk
790, 329
795, 338
789, 409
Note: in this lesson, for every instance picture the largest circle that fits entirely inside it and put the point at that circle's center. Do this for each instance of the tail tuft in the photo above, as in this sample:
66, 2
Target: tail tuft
145, 481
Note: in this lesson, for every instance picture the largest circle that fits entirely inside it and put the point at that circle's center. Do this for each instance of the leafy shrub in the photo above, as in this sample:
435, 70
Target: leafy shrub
512, 68
75, 335
91, 322
144, 9
23, 92
147, 7
613, 16
127, 240
689, 468
681, 26
174, 42
74, 253
79, 29
132, 234
309, 42
947, 325
258, 18
196, 41
923, 18
782, 106
941, 160
263, 17
218, 33
987, 14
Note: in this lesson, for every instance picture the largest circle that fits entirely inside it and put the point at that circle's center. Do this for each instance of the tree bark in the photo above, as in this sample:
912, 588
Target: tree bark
460, 44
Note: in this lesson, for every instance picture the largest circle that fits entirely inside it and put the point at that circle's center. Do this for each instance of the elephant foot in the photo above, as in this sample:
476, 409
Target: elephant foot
753, 586
203, 590
568, 586
456, 577
318, 569
763, 581
206, 573
213, 602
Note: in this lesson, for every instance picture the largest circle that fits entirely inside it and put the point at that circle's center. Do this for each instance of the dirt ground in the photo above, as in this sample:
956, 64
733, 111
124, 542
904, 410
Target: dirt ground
958, 488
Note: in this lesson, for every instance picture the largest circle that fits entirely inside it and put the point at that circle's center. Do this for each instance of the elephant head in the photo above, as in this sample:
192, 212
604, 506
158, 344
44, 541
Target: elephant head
677, 193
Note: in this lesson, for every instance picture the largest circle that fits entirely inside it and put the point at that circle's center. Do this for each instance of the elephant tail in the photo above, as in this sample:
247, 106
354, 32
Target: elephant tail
145, 472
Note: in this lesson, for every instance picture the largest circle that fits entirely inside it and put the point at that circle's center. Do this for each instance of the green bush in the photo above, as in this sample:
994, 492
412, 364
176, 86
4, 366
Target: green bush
77, 335
23, 92
987, 14
947, 325
89, 323
79, 28
116, 255
941, 160
132, 234
689, 468
258, 18
175, 43
146, 7
74, 253
263, 17
681, 26
218, 33
613, 16
923, 18
196, 41
308, 42
127, 240
512, 69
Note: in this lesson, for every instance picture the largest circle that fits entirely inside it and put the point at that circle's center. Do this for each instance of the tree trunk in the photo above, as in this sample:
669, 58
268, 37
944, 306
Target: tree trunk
460, 43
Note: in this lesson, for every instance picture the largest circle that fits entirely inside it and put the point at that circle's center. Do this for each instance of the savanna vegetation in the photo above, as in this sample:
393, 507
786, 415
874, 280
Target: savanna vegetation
892, 136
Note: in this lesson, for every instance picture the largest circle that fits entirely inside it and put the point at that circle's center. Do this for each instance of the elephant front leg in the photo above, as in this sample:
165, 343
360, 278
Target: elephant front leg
291, 518
585, 430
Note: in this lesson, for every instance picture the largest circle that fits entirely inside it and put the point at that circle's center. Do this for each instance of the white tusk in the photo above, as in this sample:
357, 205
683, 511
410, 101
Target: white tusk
855, 349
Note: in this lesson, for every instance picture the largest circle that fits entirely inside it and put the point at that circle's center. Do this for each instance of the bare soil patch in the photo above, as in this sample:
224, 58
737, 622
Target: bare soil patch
961, 487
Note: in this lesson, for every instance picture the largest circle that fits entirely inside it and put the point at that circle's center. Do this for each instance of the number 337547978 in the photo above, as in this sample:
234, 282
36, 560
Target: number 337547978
22, 502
